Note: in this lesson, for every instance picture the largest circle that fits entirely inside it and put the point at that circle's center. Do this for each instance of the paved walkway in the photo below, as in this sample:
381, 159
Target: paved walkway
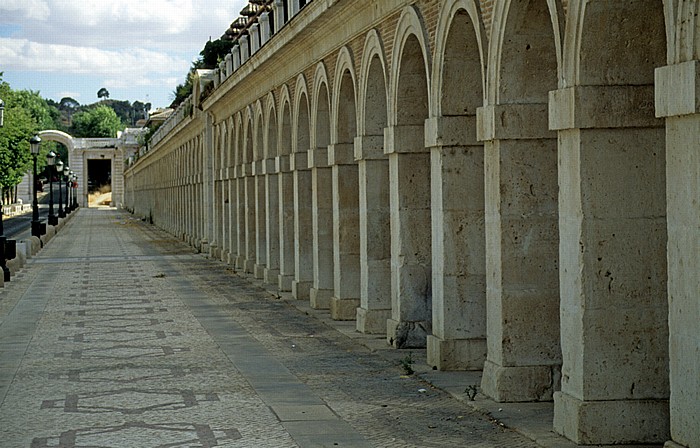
116, 335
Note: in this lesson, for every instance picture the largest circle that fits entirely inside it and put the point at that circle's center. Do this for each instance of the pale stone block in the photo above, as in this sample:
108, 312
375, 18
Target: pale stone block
520, 383
372, 321
259, 271
611, 422
343, 309
449, 131
404, 139
271, 276
301, 290
320, 299
456, 354
677, 89
284, 283
407, 334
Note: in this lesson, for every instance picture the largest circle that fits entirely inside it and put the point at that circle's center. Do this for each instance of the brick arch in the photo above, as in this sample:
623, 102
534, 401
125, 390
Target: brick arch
410, 26
271, 131
372, 89
320, 105
442, 91
344, 96
258, 128
302, 117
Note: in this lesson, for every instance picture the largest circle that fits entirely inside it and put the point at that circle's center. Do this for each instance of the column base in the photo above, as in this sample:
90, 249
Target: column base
271, 276
259, 271
301, 290
521, 383
202, 246
239, 262
611, 422
224, 256
320, 299
249, 266
406, 334
671, 444
344, 309
214, 252
284, 282
372, 321
456, 354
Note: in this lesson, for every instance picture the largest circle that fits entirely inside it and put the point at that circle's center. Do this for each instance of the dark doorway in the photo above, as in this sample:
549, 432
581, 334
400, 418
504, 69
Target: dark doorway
99, 176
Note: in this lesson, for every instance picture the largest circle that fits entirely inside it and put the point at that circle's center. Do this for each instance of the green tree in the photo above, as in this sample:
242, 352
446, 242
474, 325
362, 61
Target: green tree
101, 121
103, 93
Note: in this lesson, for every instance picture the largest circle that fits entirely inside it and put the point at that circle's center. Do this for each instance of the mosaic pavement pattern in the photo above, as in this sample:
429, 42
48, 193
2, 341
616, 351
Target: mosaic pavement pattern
118, 336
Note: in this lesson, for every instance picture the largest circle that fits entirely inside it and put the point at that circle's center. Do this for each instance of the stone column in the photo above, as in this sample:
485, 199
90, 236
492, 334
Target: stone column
346, 238
612, 222
322, 222
293, 8
232, 186
286, 223
678, 100
411, 290
303, 229
458, 341
254, 38
260, 219
375, 235
245, 49
208, 189
250, 221
272, 271
522, 290
241, 229
236, 54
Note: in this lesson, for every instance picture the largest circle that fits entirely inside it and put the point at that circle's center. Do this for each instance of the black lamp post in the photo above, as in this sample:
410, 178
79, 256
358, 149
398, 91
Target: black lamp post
66, 177
59, 172
3, 262
35, 144
51, 162
76, 204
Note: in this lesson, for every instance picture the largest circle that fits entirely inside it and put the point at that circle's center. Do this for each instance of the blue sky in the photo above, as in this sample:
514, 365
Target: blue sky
137, 49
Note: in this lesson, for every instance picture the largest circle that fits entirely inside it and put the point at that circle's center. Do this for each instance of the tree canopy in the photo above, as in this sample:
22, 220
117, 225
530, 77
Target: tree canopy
103, 93
102, 121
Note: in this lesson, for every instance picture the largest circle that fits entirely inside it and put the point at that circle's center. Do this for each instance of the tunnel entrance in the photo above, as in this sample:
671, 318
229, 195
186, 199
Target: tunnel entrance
99, 181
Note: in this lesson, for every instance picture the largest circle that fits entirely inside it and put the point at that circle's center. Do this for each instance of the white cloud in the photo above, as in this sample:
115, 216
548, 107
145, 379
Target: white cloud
29, 9
23, 55
74, 95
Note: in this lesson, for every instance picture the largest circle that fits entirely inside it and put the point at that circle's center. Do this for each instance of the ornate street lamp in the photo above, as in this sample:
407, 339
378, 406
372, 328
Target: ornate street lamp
59, 179
51, 162
35, 144
66, 173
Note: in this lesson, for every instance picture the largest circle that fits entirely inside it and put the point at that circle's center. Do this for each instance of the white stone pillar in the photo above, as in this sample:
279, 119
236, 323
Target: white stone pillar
322, 221
522, 281
678, 100
278, 11
240, 236
254, 38
236, 56
265, 31
245, 48
208, 190
375, 235
229, 64
303, 228
272, 271
458, 341
250, 220
292, 8
612, 224
260, 219
346, 237
411, 290
286, 222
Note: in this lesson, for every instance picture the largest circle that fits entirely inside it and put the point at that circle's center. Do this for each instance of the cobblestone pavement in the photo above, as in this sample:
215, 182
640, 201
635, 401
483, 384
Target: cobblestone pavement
117, 335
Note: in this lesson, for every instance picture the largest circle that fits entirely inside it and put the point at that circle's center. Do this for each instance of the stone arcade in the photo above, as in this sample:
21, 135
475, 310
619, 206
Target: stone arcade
512, 184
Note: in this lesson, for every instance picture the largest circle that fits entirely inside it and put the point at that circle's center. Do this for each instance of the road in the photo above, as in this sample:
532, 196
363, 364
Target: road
18, 227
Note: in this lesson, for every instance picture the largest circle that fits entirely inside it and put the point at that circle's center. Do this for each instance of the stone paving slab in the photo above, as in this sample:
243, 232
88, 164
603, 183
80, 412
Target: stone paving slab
117, 335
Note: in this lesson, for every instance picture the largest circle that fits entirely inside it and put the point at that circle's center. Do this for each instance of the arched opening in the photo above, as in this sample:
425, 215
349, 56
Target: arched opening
272, 270
250, 214
522, 236
614, 311
375, 229
409, 173
458, 341
303, 229
322, 204
260, 200
346, 241
286, 198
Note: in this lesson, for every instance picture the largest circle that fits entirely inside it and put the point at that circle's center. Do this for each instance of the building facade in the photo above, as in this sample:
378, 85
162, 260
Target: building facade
512, 184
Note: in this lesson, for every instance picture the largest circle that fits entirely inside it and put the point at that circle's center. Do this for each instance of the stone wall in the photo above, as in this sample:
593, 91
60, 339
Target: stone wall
512, 185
